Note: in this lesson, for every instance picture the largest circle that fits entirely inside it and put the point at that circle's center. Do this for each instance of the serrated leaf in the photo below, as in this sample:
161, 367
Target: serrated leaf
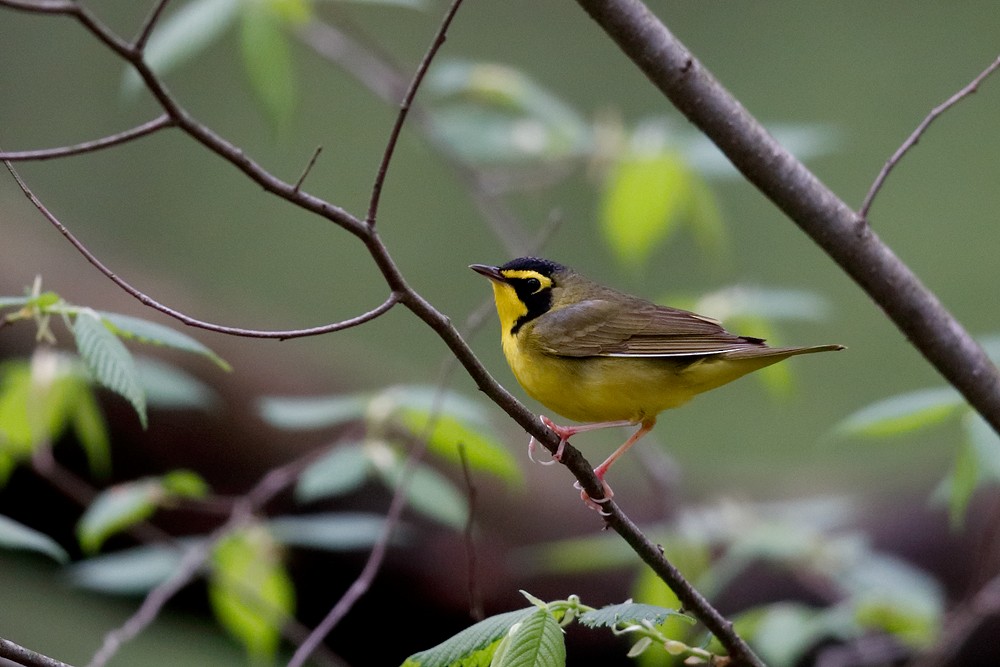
342, 470
903, 413
428, 492
628, 613
116, 509
341, 531
306, 413
537, 641
131, 571
267, 59
250, 591
15, 535
108, 361
183, 35
472, 647
152, 333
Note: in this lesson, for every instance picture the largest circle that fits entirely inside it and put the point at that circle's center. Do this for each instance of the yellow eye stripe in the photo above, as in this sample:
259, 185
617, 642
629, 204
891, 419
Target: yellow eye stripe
544, 281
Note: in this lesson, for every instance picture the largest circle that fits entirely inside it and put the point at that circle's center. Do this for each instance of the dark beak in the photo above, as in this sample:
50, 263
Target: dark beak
491, 272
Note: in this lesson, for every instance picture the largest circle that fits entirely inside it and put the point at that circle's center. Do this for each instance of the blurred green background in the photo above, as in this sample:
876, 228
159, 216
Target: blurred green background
188, 229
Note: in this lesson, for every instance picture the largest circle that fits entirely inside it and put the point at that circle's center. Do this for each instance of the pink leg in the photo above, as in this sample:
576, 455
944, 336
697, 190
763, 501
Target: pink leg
602, 469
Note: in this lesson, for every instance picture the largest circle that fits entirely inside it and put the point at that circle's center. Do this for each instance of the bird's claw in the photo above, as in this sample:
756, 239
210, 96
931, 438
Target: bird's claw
596, 504
532, 446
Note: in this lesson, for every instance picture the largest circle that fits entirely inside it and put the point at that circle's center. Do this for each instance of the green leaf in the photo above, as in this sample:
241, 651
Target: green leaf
734, 303
15, 535
181, 36
628, 613
131, 571
170, 388
977, 463
184, 484
427, 491
17, 438
643, 200
145, 331
341, 531
445, 420
92, 433
903, 413
268, 61
985, 446
537, 641
116, 509
108, 361
342, 470
250, 591
308, 413
783, 632
490, 113
472, 647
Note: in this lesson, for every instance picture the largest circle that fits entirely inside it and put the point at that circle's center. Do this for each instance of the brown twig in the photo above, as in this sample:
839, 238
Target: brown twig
912, 140
24, 656
404, 110
150, 127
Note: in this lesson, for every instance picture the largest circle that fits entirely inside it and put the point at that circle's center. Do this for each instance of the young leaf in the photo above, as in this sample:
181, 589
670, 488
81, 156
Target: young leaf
429, 492
250, 591
170, 388
341, 531
268, 61
92, 433
628, 613
108, 361
183, 35
537, 641
145, 331
17, 438
116, 509
643, 201
15, 535
903, 413
307, 413
473, 646
131, 571
342, 470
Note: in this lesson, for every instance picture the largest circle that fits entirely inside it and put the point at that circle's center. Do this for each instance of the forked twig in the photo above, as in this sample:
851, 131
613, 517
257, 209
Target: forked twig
912, 140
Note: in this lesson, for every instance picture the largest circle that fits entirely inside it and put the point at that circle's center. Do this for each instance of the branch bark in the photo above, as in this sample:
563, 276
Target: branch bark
841, 232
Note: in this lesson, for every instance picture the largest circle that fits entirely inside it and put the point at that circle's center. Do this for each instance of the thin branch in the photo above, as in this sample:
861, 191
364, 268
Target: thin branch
309, 167
143, 298
24, 656
89, 146
912, 140
139, 44
404, 109
829, 221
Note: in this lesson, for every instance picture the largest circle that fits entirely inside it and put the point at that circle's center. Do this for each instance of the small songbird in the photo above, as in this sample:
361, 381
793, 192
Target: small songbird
594, 354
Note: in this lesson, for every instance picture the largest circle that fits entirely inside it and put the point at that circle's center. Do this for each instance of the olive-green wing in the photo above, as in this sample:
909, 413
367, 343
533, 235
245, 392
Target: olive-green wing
632, 327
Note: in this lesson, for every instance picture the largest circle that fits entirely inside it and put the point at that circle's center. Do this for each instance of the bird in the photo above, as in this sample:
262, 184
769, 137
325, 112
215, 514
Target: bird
596, 355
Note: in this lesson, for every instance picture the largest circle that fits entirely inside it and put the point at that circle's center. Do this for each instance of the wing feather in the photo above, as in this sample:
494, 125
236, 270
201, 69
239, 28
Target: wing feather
627, 326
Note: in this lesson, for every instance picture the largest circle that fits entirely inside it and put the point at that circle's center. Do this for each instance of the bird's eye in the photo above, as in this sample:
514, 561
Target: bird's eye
533, 285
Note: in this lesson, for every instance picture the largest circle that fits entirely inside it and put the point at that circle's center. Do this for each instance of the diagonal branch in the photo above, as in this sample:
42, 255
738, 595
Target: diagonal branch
912, 140
842, 233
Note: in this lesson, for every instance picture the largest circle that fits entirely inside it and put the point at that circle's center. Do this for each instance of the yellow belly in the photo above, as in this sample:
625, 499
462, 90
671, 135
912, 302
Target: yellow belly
596, 389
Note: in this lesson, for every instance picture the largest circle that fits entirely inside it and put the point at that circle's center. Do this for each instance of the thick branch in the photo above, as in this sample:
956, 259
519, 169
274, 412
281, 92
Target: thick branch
830, 222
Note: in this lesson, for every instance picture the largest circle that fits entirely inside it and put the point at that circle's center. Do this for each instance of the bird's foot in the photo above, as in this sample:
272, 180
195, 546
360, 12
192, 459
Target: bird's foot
596, 504
564, 433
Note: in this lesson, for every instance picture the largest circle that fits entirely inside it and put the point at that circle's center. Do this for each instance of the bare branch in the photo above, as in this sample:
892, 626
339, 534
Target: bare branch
90, 146
830, 222
23, 656
143, 298
912, 140
404, 109
309, 166
147, 27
